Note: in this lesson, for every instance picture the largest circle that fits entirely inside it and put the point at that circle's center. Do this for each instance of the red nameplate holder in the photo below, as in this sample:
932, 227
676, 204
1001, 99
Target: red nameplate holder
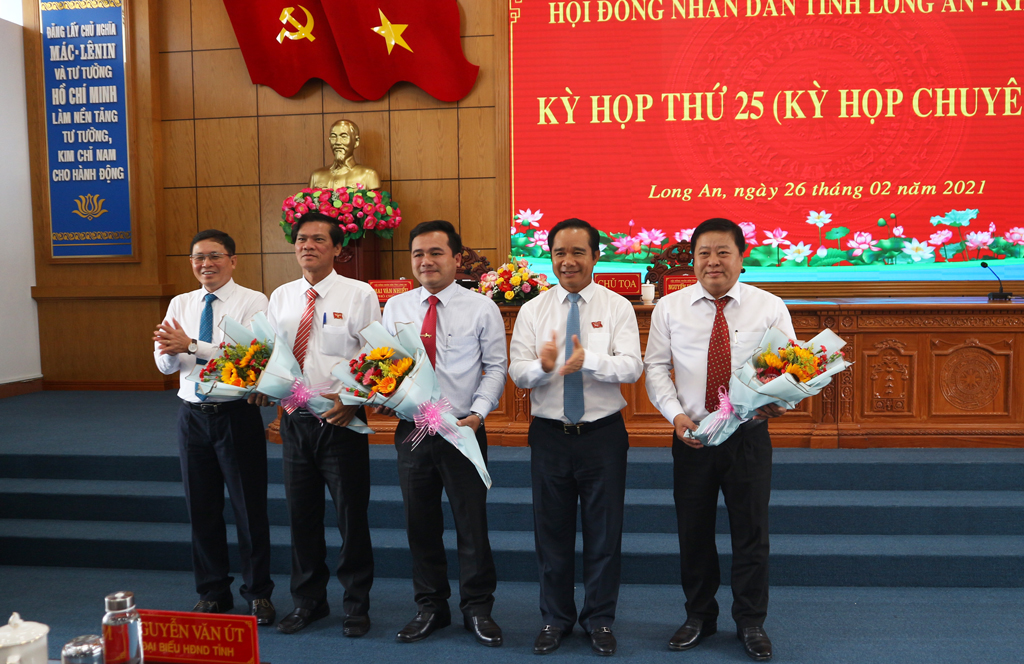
626, 284
388, 288
179, 637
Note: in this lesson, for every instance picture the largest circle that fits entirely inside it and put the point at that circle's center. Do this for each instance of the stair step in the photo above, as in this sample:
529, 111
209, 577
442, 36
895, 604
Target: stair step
646, 510
845, 560
649, 468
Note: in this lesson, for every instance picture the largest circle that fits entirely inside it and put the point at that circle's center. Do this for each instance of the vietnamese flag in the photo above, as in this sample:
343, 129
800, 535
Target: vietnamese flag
386, 41
285, 44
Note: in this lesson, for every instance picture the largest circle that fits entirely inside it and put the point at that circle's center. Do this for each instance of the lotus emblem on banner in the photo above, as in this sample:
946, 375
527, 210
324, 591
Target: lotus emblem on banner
90, 206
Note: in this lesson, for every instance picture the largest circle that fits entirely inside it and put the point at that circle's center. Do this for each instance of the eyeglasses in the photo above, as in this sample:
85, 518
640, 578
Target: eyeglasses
199, 259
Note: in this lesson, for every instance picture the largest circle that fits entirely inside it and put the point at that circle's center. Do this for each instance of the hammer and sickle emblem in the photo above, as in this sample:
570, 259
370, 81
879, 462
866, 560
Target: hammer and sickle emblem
301, 31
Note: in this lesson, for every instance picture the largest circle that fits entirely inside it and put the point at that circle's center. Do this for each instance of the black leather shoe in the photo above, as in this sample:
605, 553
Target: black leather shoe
264, 611
355, 626
690, 634
755, 642
602, 641
302, 618
548, 640
422, 626
206, 606
484, 629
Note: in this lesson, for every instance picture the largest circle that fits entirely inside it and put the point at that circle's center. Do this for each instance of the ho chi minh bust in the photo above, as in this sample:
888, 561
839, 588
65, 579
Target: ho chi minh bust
344, 172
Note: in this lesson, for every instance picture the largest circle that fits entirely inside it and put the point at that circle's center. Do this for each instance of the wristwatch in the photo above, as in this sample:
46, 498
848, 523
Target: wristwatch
478, 415
193, 347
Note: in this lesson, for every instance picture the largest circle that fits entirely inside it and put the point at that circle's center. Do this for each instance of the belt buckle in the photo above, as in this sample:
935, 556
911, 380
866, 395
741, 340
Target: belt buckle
567, 428
211, 408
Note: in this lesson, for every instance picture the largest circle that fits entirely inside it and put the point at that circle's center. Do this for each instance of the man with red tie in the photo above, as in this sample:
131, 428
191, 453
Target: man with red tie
464, 336
704, 332
320, 317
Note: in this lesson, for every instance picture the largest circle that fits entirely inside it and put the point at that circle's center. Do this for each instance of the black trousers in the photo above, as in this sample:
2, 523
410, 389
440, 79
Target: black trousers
315, 455
742, 468
591, 469
436, 465
217, 449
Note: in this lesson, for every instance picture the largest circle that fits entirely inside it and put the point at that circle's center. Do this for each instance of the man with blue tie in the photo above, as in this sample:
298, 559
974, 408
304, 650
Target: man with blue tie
573, 346
220, 441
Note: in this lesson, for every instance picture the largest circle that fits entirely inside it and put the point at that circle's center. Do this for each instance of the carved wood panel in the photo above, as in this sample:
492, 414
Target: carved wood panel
972, 375
891, 371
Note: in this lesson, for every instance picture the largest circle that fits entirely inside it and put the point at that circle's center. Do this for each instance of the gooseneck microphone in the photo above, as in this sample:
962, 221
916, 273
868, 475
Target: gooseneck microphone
1000, 296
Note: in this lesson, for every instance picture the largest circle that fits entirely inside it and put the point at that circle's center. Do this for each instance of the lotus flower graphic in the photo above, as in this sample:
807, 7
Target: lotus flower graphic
90, 206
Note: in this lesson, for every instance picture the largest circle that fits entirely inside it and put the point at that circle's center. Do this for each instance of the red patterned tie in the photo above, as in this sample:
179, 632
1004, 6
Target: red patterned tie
719, 357
428, 333
305, 326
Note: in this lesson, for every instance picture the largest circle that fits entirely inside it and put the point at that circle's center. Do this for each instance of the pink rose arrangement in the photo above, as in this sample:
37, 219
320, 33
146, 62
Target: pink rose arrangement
357, 210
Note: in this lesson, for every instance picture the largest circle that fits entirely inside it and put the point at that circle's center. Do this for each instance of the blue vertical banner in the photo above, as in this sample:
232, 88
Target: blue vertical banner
86, 128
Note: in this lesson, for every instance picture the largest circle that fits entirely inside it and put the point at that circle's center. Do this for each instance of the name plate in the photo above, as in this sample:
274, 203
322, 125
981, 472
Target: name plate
388, 288
672, 283
623, 283
179, 637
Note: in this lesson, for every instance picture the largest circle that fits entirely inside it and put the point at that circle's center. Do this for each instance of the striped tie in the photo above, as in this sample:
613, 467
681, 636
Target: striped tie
719, 356
305, 326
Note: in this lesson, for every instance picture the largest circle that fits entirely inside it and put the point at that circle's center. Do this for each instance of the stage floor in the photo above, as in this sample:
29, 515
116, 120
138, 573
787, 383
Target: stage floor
814, 625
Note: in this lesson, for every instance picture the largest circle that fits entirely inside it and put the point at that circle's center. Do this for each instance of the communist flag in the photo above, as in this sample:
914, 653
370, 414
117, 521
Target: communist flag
285, 44
383, 42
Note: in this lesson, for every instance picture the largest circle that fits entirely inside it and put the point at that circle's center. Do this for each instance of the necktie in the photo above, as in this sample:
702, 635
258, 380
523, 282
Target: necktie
719, 356
305, 326
205, 331
572, 387
428, 332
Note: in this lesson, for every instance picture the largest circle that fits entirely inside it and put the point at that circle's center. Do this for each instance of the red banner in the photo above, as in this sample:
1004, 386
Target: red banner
359, 48
285, 46
855, 127
179, 637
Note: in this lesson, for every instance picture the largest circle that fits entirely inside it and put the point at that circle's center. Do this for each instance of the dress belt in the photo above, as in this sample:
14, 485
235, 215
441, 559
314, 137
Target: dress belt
582, 427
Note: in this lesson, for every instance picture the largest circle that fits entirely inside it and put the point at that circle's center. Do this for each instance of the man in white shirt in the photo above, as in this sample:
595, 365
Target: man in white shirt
703, 333
320, 317
464, 335
220, 442
573, 346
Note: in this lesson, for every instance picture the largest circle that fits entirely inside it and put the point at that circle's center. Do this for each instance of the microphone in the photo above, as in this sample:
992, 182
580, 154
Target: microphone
1000, 296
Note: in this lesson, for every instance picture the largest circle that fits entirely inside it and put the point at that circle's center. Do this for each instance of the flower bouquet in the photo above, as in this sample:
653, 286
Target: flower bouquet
235, 373
513, 283
357, 210
275, 371
395, 372
781, 371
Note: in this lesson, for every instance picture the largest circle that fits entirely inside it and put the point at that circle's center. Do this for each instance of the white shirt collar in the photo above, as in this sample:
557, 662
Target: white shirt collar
223, 293
324, 285
444, 296
699, 293
587, 293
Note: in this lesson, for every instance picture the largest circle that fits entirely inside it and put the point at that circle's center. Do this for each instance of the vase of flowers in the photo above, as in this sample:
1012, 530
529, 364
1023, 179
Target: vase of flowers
363, 215
513, 282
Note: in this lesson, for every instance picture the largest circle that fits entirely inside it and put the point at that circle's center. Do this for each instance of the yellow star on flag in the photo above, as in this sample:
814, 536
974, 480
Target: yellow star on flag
391, 32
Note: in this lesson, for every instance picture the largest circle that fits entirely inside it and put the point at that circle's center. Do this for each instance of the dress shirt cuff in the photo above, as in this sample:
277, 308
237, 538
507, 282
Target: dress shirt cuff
206, 351
672, 409
482, 407
536, 375
591, 360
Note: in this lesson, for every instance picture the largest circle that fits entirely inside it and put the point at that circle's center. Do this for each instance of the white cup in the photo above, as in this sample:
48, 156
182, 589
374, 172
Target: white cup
23, 642
647, 293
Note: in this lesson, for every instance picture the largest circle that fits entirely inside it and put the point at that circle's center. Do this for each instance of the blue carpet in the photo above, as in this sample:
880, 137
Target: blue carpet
91, 479
808, 625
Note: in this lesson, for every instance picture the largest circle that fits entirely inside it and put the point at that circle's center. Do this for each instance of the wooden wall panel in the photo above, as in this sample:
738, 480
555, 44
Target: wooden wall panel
222, 87
234, 210
424, 144
227, 152
309, 99
211, 27
180, 220
176, 85
289, 147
